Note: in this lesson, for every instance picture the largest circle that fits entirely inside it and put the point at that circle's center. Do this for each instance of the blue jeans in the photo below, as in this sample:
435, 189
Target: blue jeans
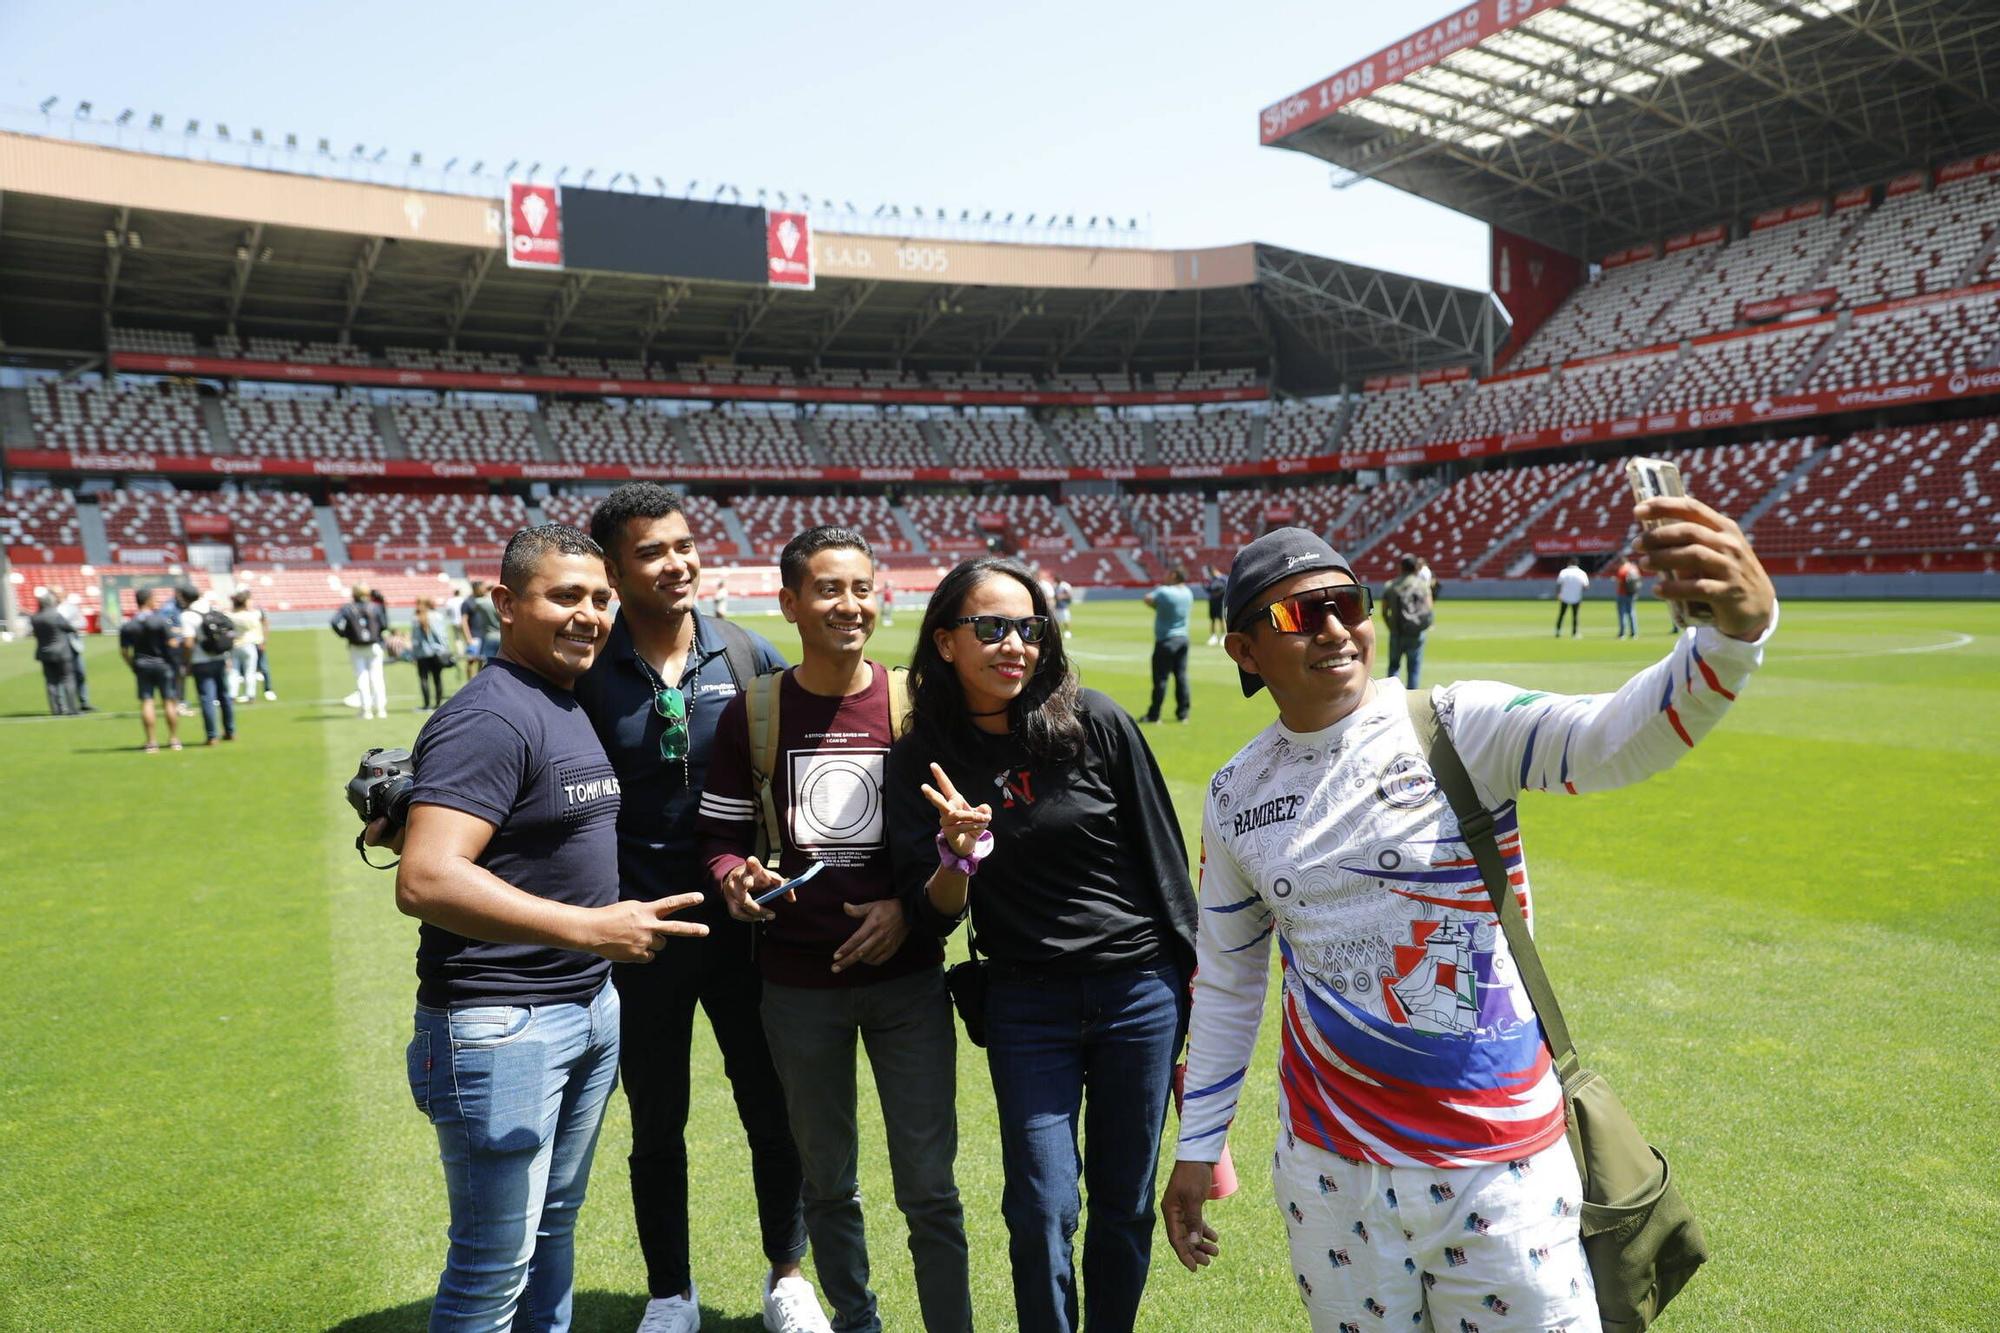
1407, 648
1101, 1045
517, 1095
212, 680
1628, 623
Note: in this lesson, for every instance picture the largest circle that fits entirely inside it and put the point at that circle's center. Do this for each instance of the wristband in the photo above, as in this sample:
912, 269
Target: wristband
967, 866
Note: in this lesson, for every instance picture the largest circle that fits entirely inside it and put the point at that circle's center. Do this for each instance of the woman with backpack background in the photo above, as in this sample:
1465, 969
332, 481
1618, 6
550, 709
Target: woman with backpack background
430, 649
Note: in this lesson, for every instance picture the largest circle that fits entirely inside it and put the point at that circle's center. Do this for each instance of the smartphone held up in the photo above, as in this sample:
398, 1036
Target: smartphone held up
1649, 479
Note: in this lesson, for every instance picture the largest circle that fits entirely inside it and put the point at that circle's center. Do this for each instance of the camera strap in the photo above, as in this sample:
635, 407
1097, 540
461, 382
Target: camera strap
361, 846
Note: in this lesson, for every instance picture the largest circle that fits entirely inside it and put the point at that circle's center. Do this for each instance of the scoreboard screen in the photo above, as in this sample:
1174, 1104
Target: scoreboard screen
669, 238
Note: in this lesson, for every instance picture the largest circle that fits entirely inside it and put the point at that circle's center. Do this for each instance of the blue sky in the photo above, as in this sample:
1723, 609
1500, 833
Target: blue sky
1146, 110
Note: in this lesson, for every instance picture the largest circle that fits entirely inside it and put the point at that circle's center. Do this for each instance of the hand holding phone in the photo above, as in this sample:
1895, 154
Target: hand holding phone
1651, 478
781, 890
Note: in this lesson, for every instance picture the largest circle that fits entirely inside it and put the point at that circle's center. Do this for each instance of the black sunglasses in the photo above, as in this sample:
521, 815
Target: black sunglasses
1350, 603
994, 629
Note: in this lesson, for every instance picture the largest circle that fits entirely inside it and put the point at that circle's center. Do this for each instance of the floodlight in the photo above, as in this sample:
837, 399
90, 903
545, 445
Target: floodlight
659, 185
879, 208
784, 200
988, 217
360, 150
450, 162
515, 162
561, 172
693, 186
479, 166
1008, 219
965, 215
380, 153
760, 196
193, 127
48, 103
850, 205
125, 116
1029, 223
416, 159
588, 172
291, 142
83, 110
533, 169
718, 192
221, 131
156, 121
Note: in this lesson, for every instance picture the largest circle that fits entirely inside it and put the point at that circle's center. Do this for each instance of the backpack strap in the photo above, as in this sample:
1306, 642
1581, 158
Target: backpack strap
760, 713
1475, 825
899, 702
737, 650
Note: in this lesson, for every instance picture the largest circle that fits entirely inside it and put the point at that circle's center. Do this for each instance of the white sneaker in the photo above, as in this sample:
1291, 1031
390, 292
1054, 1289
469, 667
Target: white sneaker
791, 1307
271, 696
673, 1314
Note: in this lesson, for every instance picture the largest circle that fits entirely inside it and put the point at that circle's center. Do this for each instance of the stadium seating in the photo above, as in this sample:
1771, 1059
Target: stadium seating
261, 522
1300, 430
1378, 504
467, 434
736, 439
616, 432
1393, 418
711, 535
1491, 409
1740, 370
701, 372
44, 517
950, 523
995, 441
1917, 242
773, 520
1459, 526
302, 426
1616, 312
157, 342
141, 526
1088, 382
1173, 518
1102, 441
1208, 437
437, 358
597, 368
328, 589
1172, 381
452, 519
874, 441
1102, 520
151, 418
291, 349
982, 381
841, 377
1913, 488
1778, 261
1919, 340
1600, 392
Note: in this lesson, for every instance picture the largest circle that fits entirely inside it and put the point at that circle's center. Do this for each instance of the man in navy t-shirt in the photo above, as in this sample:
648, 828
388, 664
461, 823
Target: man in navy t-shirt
511, 863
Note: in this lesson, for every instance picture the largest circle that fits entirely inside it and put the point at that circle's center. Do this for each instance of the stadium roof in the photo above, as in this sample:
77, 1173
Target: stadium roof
92, 238
1594, 125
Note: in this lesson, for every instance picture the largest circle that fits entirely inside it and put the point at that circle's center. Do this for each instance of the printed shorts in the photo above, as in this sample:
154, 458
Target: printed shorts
1435, 1249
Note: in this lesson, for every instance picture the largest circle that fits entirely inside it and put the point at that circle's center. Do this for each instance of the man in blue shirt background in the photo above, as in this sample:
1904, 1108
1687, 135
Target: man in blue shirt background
1171, 603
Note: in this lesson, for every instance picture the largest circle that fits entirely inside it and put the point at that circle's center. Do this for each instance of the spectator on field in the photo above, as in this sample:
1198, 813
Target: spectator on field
72, 610
150, 642
1408, 612
205, 648
480, 624
53, 652
453, 610
510, 862
1215, 586
838, 958
1626, 581
1571, 584
1037, 807
244, 682
654, 696
263, 648
360, 625
721, 598
1065, 594
885, 592
431, 650
1171, 602
1411, 1059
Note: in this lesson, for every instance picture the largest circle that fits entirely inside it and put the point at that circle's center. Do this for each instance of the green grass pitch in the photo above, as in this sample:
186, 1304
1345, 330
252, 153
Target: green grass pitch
1775, 952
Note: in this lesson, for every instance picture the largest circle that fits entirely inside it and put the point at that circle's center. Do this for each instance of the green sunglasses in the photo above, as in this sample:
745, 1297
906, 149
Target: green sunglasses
672, 705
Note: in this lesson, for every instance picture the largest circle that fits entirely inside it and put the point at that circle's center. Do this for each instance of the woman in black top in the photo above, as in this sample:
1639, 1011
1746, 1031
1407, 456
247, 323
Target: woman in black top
1047, 796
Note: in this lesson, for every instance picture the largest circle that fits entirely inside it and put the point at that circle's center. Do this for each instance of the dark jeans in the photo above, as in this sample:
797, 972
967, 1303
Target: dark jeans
430, 680
212, 680
656, 1032
264, 669
82, 677
1407, 648
1571, 608
1628, 621
912, 1042
1169, 658
60, 684
1101, 1046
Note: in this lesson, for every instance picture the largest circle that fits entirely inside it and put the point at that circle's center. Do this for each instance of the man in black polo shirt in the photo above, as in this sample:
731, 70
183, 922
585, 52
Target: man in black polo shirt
654, 697
511, 863
150, 642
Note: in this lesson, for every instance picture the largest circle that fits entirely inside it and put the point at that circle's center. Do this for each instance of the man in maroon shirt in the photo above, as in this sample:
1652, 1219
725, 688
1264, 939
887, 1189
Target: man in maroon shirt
837, 953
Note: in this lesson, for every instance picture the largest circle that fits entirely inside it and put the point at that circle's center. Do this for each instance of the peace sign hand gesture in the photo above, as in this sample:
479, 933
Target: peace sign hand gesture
959, 823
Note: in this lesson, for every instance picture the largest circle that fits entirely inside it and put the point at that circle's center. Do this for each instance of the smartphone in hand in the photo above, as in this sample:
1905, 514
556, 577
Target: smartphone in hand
1649, 478
781, 890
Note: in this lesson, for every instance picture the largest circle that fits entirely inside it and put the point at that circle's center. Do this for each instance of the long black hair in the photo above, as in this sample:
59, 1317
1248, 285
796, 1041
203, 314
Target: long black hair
1043, 715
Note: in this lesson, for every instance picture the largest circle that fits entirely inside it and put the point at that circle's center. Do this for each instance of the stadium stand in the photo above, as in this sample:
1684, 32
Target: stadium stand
983, 381
1599, 392
1492, 408
616, 431
438, 358
1949, 334
1912, 489
450, 433
1459, 526
158, 341
1104, 441
1240, 377
1090, 382
301, 425
704, 520
700, 372
874, 440
995, 441
1210, 437
773, 520
1300, 430
742, 439
1616, 312
373, 519
1392, 418
1916, 242
950, 523
1172, 518
1102, 520
873, 378
1376, 505
141, 526
133, 417
291, 349
264, 525
43, 518
1741, 370
1778, 261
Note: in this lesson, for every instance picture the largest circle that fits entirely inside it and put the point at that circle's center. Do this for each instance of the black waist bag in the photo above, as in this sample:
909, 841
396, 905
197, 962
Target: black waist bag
967, 983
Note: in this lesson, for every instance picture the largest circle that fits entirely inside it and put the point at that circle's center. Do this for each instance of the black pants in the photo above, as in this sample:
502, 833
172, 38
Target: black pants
430, 680
655, 1031
1169, 658
1572, 608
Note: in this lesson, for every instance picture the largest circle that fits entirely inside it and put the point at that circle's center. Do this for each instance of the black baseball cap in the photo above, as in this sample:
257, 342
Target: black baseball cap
1271, 559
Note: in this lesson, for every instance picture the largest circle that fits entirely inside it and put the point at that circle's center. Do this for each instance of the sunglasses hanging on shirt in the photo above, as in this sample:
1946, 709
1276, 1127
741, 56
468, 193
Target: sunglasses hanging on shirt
672, 707
1349, 603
